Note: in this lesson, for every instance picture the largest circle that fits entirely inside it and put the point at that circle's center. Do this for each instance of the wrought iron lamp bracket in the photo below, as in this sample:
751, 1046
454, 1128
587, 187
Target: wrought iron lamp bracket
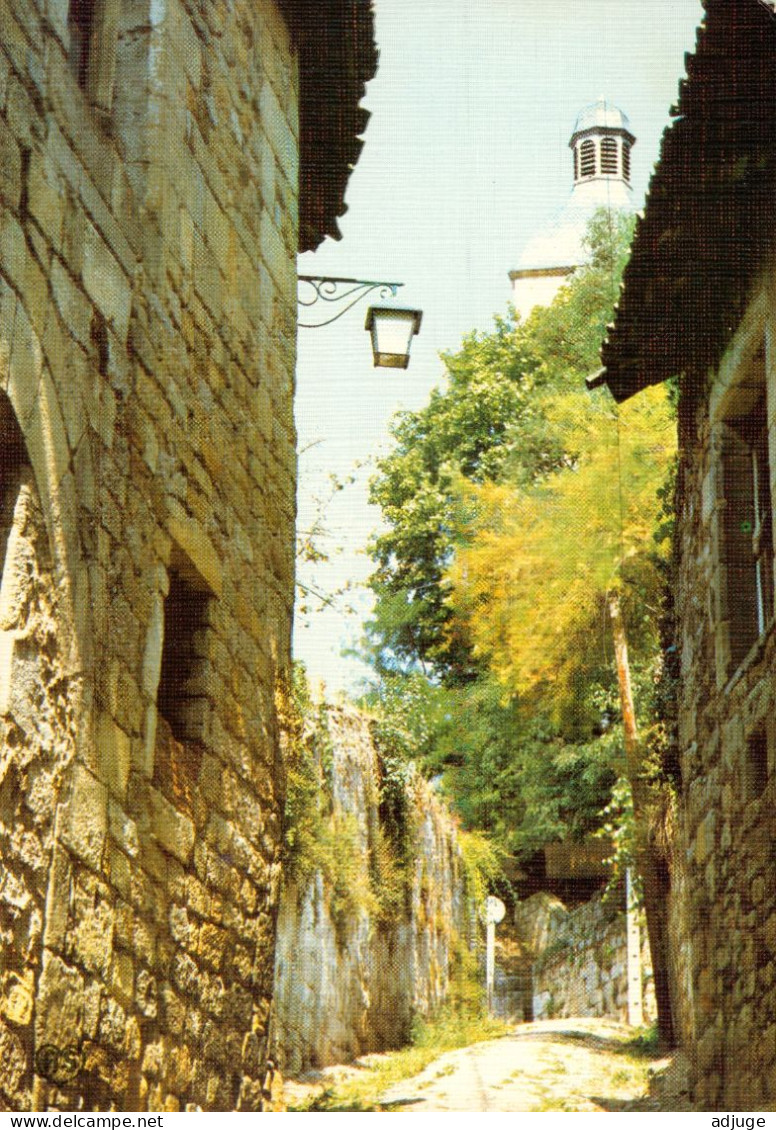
335, 290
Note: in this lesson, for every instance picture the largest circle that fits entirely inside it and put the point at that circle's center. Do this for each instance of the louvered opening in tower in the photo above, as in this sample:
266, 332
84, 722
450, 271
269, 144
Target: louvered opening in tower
609, 160
587, 158
626, 148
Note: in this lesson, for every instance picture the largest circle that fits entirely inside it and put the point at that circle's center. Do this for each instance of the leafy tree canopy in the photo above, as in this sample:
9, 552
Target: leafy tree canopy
540, 559
513, 499
487, 425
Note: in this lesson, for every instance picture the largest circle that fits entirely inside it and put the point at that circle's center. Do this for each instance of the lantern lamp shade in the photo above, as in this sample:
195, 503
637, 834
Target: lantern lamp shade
392, 329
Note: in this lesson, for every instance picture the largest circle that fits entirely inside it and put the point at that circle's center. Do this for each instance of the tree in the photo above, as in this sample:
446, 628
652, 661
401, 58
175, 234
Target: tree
519, 768
480, 584
536, 563
464, 430
544, 561
487, 424
490, 426
510, 770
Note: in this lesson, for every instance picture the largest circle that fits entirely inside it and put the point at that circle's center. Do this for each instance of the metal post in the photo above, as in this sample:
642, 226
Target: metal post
633, 950
493, 912
490, 961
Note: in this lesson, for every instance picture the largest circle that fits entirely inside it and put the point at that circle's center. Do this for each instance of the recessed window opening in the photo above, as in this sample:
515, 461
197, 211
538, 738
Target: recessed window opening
80, 24
587, 158
626, 159
576, 163
609, 156
100, 342
756, 767
14, 461
748, 522
181, 682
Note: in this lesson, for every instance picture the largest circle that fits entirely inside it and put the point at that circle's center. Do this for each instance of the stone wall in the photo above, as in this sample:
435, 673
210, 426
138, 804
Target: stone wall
148, 216
352, 973
727, 742
580, 968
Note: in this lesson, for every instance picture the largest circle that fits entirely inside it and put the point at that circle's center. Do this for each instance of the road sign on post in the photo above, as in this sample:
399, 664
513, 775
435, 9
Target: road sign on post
494, 910
494, 913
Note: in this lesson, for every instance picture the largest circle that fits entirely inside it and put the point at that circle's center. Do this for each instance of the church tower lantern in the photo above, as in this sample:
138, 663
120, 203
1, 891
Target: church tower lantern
601, 145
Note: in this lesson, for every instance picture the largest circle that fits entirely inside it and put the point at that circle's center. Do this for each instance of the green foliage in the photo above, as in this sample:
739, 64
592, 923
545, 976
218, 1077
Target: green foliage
645, 1043
506, 524
464, 1009
483, 863
319, 838
408, 710
395, 807
353, 892
309, 843
618, 827
513, 770
390, 876
662, 736
488, 423
532, 581
303, 816
566, 336
464, 430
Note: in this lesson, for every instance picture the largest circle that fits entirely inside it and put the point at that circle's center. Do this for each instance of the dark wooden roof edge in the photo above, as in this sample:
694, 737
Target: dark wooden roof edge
337, 58
706, 227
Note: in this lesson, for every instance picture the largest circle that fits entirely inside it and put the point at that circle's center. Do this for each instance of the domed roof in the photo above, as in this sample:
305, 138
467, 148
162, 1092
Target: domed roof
601, 115
559, 243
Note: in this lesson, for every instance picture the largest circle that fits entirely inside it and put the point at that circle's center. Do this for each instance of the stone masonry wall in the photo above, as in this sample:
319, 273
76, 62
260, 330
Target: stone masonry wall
726, 735
148, 224
37, 743
349, 984
581, 969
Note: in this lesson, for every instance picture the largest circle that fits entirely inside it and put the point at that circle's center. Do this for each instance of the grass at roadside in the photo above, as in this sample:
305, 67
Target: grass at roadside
624, 1070
646, 1043
361, 1092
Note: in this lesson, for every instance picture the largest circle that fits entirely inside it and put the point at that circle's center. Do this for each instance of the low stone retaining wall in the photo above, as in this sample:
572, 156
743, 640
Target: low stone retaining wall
580, 965
354, 966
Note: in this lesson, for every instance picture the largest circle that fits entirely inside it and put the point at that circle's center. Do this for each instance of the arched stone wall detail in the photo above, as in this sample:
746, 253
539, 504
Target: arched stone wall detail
44, 617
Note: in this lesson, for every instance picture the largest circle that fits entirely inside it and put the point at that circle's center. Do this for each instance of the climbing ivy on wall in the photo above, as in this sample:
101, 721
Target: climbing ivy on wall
320, 838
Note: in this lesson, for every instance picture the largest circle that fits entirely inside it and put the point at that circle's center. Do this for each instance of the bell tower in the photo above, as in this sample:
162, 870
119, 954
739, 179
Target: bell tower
601, 144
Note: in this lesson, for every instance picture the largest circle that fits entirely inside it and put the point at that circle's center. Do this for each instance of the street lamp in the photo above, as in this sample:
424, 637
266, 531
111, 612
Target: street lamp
392, 329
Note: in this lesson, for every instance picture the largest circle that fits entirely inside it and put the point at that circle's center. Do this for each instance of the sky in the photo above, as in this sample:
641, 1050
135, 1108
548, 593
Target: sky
465, 156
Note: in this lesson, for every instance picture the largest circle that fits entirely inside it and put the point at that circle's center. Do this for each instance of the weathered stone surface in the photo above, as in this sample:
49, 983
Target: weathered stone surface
113, 747
723, 898
349, 982
85, 818
174, 831
14, 1059
16, 1001
580, 966
133, 284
